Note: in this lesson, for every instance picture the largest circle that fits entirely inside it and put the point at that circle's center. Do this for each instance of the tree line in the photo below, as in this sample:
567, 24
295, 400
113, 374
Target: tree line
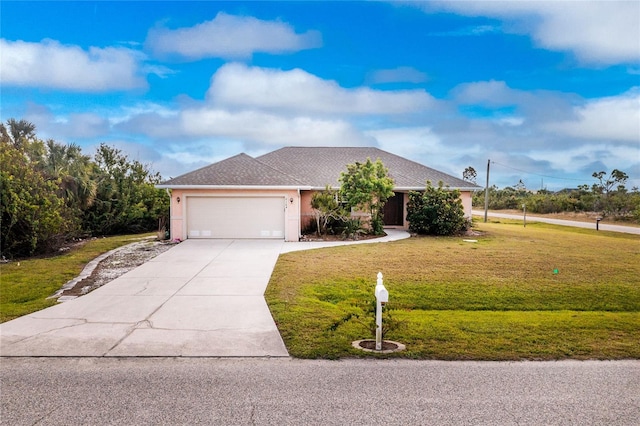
52, 193
607, 196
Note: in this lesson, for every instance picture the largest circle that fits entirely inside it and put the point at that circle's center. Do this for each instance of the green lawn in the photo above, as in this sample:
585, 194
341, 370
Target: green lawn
25, 285
496, 299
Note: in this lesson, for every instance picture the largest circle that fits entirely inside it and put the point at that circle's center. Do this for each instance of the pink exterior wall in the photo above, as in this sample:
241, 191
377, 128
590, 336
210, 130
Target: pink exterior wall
179, 214
466, 203
298, 215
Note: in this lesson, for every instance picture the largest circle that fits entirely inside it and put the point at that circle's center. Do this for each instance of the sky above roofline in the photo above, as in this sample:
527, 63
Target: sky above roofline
548, 91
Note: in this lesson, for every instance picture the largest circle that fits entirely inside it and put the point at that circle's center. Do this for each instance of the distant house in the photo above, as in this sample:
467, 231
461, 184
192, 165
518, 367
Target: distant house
270, 196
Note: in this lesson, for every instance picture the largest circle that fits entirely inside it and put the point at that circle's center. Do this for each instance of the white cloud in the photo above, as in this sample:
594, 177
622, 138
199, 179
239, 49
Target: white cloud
513, 107
268, 129
612, 118
490, 93
236, 85
143, 108
575, 159
603, 32
426, 146
53, 65
411, 142
228, 36
397, 75
66, 127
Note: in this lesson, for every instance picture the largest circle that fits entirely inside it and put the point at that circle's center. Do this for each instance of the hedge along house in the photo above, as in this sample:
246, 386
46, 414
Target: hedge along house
270, 196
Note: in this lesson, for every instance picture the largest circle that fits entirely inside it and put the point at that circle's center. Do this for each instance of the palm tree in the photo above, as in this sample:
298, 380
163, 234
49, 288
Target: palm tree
72, 170
21, 134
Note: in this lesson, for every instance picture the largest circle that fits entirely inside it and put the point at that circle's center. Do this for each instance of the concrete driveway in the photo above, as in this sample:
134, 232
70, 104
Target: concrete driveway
201, 298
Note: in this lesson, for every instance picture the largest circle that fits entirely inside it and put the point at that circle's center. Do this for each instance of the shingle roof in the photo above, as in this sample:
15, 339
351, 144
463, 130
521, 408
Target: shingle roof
240, 170
319, 166
313, 167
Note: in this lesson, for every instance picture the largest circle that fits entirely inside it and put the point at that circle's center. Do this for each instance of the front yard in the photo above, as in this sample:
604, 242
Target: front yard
540, 292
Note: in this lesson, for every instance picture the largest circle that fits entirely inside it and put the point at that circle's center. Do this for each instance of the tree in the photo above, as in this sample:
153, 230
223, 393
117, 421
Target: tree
51, 192
610, 192
470, 175
72, 171
606, 184
436, 211
326, 207
33, 216
21, 134
126, 199
366, 187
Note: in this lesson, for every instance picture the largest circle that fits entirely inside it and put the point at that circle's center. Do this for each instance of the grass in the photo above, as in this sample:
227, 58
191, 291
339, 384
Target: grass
26, 284
496, 299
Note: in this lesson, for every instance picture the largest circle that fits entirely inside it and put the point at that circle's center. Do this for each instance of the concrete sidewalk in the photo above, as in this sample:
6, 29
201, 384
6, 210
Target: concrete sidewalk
392, 235
202, 298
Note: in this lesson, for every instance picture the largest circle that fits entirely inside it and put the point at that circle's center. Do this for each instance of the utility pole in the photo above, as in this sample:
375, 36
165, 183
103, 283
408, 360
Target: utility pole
486, 193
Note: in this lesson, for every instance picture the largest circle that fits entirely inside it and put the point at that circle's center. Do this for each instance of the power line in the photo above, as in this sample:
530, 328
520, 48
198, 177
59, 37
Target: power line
537, 174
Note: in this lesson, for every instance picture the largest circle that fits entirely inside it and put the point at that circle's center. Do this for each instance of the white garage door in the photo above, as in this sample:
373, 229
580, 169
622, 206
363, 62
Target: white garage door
235, 217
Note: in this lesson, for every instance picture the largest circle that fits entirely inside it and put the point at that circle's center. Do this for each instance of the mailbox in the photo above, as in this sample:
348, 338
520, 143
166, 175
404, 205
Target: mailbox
382, 295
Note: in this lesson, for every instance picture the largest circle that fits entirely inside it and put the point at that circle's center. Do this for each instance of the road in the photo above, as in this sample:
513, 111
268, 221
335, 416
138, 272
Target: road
283, 391
576, 224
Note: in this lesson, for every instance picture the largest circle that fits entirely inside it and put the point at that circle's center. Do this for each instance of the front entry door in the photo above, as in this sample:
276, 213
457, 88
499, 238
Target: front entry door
394, 210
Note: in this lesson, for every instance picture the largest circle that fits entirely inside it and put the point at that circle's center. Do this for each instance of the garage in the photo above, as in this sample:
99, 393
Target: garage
235, 217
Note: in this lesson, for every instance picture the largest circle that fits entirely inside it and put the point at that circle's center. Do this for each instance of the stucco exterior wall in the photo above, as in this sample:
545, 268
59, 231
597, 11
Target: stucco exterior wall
179, 214
466, 203
298, 214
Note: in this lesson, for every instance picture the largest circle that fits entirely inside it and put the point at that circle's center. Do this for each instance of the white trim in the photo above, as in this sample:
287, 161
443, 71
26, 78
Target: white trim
407, 188
298, 188
235, 187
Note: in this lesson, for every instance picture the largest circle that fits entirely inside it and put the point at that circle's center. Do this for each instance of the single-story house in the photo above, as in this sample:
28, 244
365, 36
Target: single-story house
270, 196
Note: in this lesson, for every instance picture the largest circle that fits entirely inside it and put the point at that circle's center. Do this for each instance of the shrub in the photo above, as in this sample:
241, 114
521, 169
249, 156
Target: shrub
436, 211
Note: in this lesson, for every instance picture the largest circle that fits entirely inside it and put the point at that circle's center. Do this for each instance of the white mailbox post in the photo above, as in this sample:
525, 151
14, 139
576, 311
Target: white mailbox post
382, 297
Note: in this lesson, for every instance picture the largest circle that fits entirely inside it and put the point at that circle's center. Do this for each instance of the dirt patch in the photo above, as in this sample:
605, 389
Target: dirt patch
388, 346
118, 263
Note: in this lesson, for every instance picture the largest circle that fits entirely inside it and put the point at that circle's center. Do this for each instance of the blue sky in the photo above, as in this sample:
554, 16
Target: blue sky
549, 91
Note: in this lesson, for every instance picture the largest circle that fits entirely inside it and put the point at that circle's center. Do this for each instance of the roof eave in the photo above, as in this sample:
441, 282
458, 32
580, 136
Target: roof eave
406, 188
250, 187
